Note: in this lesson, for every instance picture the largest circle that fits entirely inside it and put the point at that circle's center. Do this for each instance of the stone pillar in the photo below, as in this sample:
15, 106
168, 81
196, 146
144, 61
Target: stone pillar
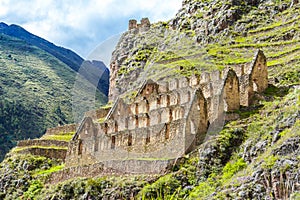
145, 24
132, 24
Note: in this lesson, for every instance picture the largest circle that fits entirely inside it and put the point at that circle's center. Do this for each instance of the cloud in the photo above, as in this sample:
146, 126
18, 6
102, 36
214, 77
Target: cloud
82, 25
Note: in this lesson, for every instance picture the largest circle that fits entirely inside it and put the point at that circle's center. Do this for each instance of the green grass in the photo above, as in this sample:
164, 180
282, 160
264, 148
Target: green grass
50, 170
60, 137
274, 25
66, 138
231, 168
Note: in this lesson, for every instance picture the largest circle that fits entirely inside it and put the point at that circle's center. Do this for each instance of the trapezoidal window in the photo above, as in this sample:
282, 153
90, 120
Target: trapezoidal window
158, 100
130, 139
96, 144
167, 134
148, 138
136, 121
80, 147
105, 128
113, 142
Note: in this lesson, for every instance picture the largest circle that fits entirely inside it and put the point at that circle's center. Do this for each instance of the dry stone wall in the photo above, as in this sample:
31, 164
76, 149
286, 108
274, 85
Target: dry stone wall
142, 27
46, 152
40, 142
61, 129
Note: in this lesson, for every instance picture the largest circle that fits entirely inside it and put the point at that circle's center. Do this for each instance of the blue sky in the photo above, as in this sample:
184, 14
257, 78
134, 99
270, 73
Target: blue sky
83, 25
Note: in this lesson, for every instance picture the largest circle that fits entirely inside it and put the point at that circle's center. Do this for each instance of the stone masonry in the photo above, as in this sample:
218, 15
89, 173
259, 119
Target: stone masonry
142, 27
165, 120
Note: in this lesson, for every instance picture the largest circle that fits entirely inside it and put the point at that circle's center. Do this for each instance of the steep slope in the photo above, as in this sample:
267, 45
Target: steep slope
66, 56
254, 157
36, 91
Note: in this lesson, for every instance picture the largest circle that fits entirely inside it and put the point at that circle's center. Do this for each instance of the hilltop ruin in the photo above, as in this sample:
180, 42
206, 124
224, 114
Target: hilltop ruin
142, 27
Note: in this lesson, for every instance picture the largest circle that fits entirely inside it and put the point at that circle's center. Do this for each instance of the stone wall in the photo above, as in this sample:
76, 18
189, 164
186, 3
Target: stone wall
142, 27
61, 129
152, 126
138, 166
40, 142
78, 171
97, 114
112, 167
46, 152
255, 79
231, 92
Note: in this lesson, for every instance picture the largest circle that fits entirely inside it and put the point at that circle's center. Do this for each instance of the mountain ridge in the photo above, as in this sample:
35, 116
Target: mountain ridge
60, 52
67, 56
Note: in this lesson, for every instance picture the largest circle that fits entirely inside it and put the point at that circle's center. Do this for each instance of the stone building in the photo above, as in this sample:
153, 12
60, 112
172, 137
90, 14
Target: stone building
165, 120
142, 27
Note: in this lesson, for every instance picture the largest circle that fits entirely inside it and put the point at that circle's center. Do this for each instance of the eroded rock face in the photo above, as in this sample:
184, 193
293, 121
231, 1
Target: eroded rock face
119, 56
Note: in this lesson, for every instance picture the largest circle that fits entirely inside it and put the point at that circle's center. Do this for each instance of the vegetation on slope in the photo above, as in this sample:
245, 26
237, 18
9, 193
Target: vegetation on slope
243, 161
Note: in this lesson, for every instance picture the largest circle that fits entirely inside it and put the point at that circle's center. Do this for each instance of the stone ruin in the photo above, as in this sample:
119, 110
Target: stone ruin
142, 27
165, 120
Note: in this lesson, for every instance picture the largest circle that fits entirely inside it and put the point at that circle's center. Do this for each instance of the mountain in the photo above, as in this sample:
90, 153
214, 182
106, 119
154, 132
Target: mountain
66, 56
36, 91
254, 156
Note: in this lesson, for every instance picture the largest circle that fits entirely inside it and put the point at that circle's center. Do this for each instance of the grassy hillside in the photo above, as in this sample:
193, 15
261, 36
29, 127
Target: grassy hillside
36, 92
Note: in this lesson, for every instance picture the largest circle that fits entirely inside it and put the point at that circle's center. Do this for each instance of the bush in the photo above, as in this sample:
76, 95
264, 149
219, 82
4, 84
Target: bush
231, 168
33, 190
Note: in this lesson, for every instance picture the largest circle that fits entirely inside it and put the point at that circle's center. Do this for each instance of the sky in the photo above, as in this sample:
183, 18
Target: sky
84, 25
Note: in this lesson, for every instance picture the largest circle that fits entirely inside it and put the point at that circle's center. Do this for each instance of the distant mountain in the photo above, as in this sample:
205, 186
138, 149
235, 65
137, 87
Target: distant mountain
37, 91
67, 56
96, 73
